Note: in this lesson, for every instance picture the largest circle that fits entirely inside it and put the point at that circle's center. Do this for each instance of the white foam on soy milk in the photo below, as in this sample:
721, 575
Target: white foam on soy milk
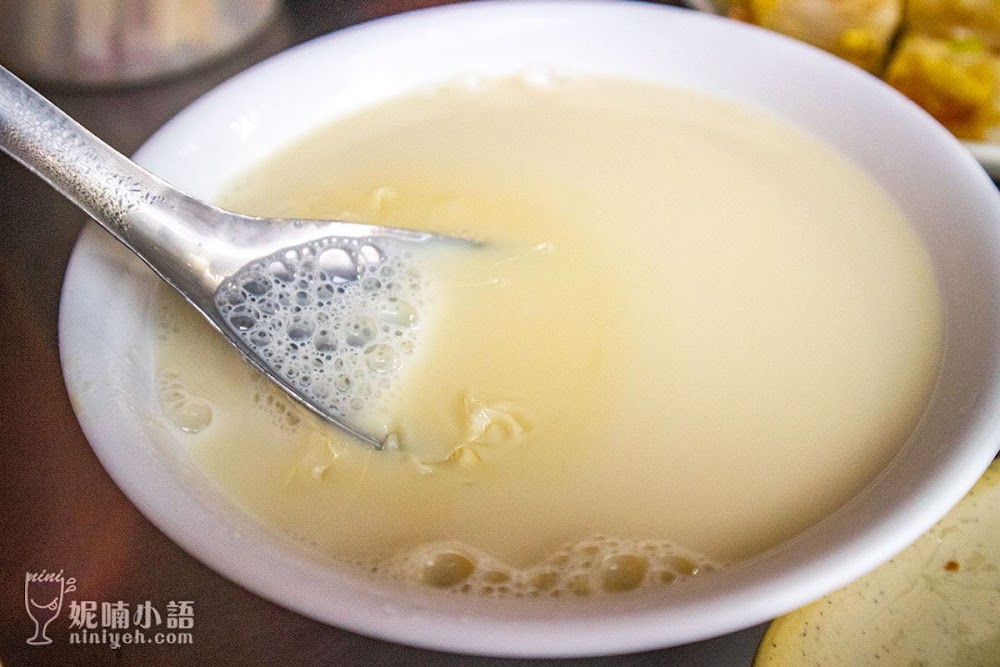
691, 332
593, 566
336, 318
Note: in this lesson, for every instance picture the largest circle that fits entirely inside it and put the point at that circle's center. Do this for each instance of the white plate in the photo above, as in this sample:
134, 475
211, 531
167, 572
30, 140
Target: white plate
988, 155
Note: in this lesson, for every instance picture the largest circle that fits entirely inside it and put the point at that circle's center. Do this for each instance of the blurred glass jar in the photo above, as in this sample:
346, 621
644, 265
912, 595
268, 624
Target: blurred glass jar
110, 42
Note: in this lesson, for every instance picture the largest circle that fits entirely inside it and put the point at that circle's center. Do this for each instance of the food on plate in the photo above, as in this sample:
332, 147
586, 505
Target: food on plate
859, 31
956, 19
934, 604
956, 80
943, 54
692, 331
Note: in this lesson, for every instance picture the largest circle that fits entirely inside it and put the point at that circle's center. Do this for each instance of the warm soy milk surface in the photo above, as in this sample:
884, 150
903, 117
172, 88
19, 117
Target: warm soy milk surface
691, 332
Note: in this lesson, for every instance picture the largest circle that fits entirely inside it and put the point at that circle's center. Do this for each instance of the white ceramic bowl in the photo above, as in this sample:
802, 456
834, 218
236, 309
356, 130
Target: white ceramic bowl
106, 339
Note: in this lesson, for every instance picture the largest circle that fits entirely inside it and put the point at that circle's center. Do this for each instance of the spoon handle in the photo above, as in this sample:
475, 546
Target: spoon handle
136, 207
87, 171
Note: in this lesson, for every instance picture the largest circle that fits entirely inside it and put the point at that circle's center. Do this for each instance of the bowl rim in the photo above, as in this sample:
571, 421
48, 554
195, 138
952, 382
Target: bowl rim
739, 597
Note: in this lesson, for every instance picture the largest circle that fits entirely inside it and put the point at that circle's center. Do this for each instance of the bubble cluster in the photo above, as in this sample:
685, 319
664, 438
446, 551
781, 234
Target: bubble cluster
271, 401
185, 410
588, 568
336, 318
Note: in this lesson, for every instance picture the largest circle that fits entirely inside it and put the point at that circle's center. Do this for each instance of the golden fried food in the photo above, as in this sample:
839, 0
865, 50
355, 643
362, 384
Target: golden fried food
943, 54
956, 19
956, 80
859, 31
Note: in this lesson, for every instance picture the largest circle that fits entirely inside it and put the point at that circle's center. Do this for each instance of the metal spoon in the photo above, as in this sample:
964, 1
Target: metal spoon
260, 282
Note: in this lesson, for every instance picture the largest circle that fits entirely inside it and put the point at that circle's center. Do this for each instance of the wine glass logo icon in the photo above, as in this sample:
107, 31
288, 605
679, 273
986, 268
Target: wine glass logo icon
43, 600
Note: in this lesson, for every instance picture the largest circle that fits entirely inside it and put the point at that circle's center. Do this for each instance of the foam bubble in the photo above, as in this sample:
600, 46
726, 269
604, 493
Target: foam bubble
270, 400
592, 567
186, 411
334, 317
542, 76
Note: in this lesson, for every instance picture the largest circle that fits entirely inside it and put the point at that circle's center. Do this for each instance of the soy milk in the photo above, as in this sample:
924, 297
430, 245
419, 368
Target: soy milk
691, 333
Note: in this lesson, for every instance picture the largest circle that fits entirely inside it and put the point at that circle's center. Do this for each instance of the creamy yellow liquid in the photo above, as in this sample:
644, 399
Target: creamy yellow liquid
693, 333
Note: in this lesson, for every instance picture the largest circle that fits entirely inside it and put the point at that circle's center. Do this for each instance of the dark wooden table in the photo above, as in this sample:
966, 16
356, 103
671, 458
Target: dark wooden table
59, 510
